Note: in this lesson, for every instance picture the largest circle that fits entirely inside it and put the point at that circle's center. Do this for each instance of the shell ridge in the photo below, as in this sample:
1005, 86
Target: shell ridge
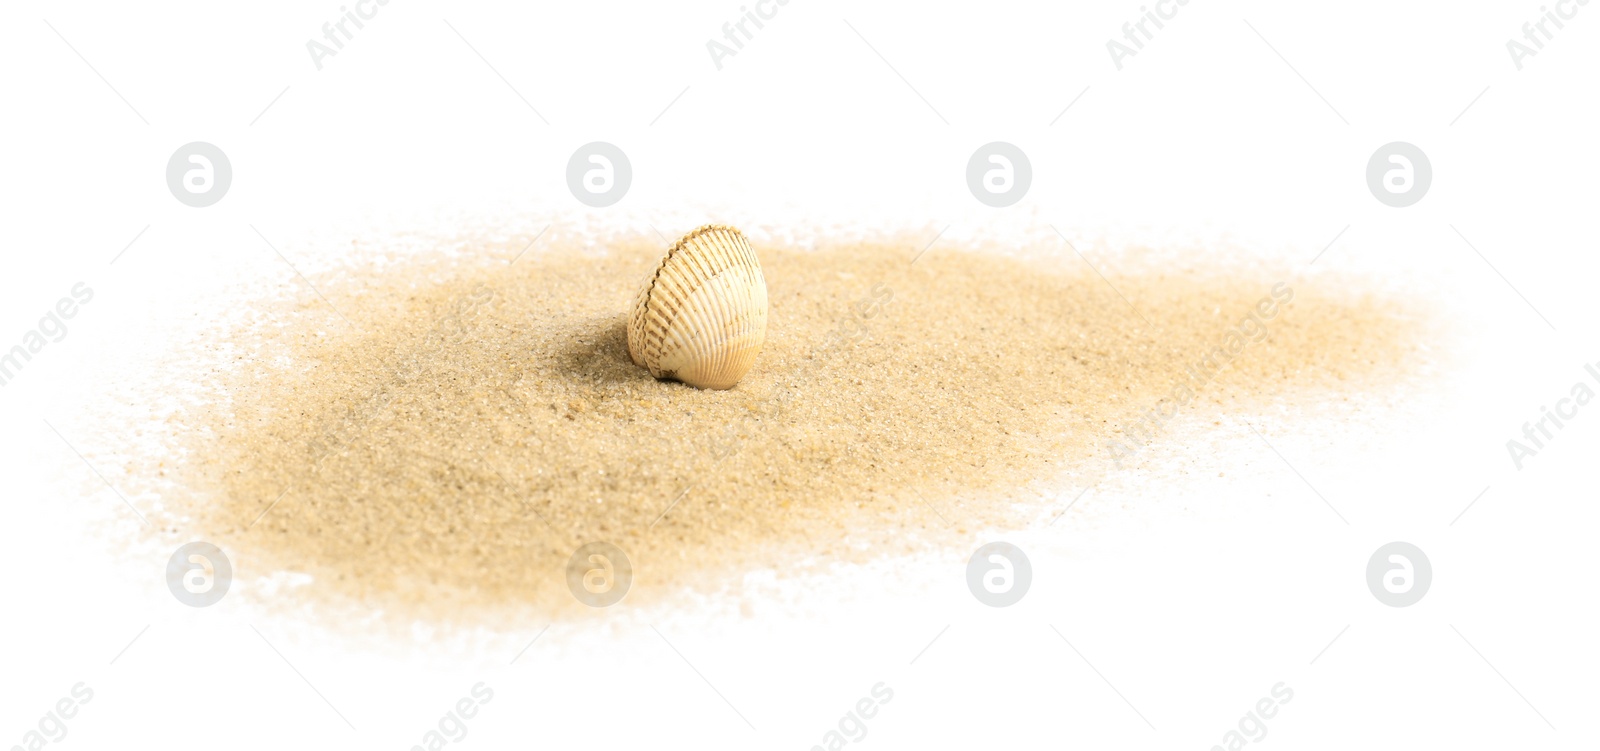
701, 316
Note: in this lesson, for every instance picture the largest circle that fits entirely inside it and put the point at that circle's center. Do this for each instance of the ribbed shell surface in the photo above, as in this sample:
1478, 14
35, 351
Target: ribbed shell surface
702, 317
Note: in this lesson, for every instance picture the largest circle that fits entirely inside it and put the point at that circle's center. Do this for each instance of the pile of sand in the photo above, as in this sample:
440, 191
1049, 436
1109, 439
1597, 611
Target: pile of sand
462, 424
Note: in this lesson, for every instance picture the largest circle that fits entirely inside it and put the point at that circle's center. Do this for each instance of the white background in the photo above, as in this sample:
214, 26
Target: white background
1185, 593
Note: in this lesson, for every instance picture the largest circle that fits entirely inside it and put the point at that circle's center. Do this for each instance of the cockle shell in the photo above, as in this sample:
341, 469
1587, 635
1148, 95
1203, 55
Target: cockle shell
701, 318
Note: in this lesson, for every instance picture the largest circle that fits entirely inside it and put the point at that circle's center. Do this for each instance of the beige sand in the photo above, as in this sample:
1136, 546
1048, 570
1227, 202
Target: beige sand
477, 421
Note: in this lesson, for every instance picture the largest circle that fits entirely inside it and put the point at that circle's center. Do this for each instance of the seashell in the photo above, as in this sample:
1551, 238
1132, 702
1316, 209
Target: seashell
701, 318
